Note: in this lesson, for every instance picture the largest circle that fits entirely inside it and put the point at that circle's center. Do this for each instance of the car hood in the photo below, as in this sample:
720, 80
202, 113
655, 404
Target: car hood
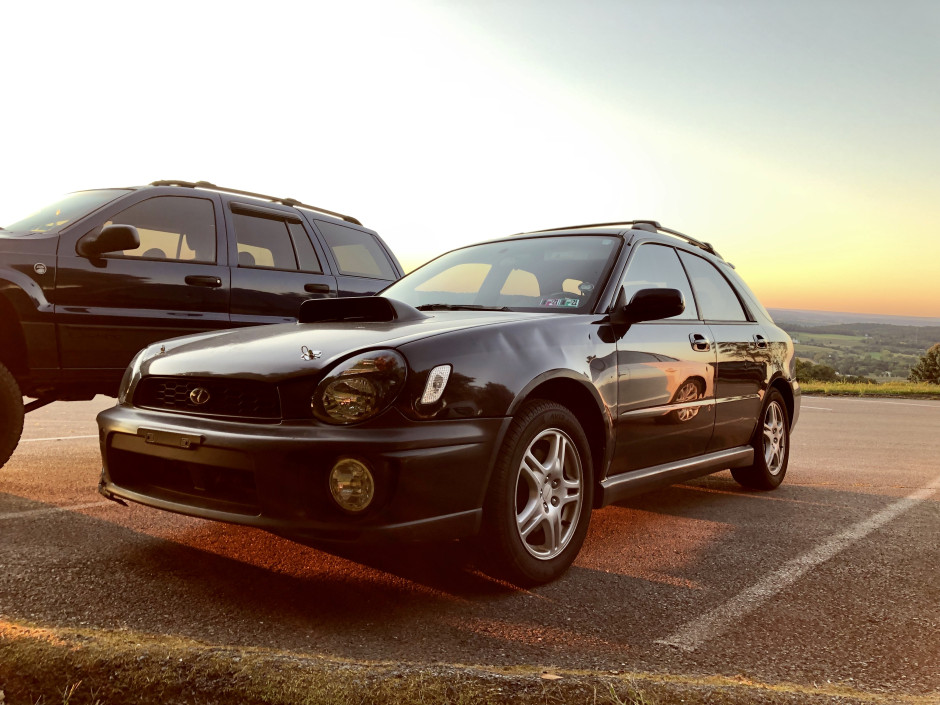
275, 353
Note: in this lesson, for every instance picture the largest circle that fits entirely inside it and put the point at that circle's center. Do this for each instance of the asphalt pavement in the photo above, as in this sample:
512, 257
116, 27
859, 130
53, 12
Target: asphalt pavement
833, 578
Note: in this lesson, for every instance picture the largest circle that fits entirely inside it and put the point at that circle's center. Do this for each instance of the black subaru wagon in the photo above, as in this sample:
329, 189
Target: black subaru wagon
504, 390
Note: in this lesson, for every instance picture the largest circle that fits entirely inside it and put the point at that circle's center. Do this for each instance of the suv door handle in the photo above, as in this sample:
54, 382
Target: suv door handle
699, 342
200, 280
760, 341
317, 288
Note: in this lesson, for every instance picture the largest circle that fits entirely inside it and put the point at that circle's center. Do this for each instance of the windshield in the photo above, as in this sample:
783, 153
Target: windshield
66, 210
562, 274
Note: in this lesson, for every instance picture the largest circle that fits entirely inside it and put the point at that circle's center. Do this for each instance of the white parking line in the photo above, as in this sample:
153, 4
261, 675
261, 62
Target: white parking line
719, 620
60, 438
817, 408
52, 510
882, 401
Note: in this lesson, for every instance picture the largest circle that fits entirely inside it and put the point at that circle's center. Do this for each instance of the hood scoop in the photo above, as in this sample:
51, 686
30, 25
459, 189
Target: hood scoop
375, 309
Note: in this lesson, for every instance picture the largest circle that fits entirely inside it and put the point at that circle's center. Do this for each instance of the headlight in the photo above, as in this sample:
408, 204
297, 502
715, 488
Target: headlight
359, 388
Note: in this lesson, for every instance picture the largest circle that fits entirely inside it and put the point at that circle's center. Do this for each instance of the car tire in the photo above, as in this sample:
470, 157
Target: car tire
771, 447
539, 500
11, 415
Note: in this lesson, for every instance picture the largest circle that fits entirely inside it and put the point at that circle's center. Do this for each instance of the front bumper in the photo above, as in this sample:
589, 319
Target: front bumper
430, 477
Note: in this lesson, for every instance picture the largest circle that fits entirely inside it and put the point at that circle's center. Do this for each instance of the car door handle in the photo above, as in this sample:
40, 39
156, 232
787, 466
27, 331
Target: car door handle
760, 341
200, 280
699, 342
317, 288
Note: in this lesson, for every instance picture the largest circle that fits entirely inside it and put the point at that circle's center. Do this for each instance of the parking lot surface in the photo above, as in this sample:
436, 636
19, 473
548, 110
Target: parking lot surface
833, 578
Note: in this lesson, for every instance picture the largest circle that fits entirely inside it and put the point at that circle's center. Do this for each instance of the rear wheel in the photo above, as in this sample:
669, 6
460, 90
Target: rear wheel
539, 501
11, 414
771, 447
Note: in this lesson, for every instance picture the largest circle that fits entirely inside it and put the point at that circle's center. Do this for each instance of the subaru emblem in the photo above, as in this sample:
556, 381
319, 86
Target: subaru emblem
199, 396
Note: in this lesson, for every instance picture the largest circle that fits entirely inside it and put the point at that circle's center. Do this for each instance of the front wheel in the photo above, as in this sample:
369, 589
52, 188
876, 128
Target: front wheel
11, 414
538, 505
771, 447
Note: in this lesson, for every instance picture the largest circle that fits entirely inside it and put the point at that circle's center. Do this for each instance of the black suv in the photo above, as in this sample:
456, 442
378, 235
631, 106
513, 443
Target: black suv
91, 279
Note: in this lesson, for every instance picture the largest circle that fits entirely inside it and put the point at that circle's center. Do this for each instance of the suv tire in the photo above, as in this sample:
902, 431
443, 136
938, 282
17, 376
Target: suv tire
11, 414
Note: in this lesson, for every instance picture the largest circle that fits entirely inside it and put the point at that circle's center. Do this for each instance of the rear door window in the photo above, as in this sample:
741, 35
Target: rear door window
263, 242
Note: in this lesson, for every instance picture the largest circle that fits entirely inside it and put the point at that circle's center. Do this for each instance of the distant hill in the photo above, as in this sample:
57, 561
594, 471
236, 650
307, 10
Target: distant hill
813, 319
866, 345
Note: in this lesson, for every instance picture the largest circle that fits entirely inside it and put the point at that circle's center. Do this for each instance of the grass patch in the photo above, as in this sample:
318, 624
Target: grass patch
900, 389
79, 667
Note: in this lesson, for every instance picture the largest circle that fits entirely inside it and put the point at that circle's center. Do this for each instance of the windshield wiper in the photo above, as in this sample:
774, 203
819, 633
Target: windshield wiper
461, 307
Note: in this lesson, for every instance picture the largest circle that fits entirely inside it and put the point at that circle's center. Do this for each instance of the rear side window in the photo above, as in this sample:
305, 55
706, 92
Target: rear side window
263, 242
714, 294
357, 253
171, 228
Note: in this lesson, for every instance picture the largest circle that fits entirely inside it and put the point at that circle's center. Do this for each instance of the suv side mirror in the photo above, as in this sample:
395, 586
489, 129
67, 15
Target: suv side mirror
648, 305
111, 238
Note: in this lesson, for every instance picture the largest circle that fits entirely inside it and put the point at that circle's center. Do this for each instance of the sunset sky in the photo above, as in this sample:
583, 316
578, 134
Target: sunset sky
801, 138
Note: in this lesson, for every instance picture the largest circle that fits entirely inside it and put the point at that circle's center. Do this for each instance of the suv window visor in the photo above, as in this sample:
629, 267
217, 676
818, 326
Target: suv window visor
65, 211
262, 212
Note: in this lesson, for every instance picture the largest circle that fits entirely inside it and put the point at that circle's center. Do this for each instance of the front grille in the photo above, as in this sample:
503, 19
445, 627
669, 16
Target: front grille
247, 399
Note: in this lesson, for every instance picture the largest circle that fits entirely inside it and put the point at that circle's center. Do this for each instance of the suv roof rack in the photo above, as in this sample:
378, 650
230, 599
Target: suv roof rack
274, 199
651, 226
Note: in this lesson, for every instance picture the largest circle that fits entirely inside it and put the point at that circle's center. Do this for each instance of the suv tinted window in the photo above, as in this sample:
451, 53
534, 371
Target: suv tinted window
714, 294
307, 256
357, 253
658, 267
171, 228
263, 242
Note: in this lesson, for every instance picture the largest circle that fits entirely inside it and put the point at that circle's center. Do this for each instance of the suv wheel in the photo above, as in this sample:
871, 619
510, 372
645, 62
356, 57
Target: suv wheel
11, 414
771, 447
539, 501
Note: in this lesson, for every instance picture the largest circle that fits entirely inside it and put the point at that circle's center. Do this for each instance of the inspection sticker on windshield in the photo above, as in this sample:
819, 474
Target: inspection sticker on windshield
561, 302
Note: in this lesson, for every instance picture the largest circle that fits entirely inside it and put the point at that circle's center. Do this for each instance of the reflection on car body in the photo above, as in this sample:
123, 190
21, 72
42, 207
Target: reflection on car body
502, 390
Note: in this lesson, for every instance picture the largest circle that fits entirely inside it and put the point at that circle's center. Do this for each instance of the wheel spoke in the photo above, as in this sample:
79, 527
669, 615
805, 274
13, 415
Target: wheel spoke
571, 484
533, 472
552, 528
530, 518
556, 453
533, 464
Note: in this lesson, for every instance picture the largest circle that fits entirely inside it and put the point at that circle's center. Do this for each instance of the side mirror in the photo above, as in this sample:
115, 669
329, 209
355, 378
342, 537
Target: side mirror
111, 238
648, 305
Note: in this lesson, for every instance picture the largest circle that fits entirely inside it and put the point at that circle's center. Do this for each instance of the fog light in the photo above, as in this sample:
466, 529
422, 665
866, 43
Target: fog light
352, 485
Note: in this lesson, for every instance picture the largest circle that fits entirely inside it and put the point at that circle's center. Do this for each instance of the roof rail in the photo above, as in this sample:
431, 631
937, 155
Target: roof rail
274, 199
651, 226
